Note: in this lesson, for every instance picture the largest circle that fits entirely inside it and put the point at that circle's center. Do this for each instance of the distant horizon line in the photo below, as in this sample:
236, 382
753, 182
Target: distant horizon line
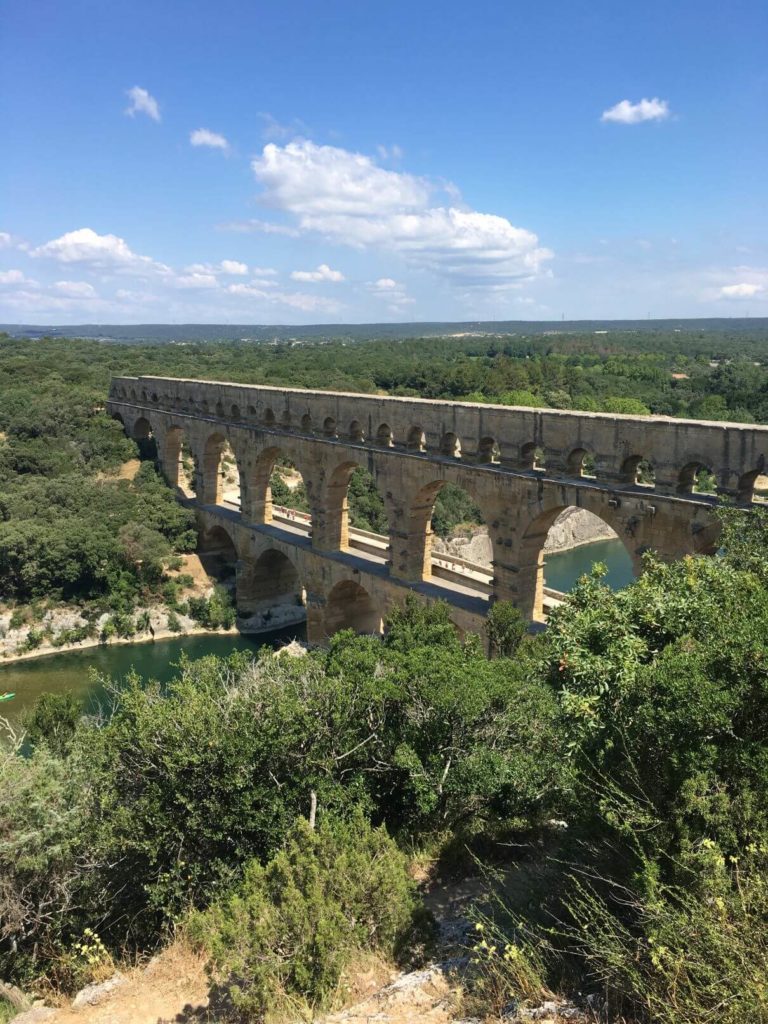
379, 323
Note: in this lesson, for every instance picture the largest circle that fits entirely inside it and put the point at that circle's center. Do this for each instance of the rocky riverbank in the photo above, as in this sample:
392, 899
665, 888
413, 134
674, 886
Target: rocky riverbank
573, 528
14, 643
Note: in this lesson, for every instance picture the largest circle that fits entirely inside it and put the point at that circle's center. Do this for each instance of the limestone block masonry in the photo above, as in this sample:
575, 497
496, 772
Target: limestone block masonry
522, 467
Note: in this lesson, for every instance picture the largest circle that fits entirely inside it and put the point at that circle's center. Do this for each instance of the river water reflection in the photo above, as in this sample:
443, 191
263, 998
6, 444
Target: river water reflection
73, 672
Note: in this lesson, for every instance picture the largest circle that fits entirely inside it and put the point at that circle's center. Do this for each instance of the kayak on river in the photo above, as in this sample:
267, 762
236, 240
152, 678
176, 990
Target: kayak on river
6, 696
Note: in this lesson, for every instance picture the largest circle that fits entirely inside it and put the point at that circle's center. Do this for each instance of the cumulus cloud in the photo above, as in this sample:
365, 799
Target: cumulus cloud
204, 137
393, 152
293, 300
108, 252
264, 227
348, 199
392, 292
323, 273
12, 277
142, 102
743, 290
626, 112
76, 289
233, 267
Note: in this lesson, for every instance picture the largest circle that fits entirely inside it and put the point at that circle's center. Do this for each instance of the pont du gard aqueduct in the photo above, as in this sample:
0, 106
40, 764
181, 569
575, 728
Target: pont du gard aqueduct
521, 466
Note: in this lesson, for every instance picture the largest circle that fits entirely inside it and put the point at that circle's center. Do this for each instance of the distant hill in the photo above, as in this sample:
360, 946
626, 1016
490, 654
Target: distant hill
265, 333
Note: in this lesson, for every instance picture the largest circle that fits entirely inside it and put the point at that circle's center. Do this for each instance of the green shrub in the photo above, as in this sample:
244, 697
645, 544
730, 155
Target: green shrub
53, 721
292, 925
505, 627
679, 956
173, 623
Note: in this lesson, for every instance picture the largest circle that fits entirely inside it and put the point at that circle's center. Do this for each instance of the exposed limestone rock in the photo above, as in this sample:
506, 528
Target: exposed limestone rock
574, 527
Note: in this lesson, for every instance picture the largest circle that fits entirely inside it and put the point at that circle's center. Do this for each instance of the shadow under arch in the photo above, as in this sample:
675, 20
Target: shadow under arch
218, 555
350, 606
271, 579
144, 436
533, 584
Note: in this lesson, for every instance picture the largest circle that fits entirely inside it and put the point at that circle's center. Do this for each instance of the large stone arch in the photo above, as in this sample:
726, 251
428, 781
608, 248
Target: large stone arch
270, 579
256, 467
530, 556
331, 528
413, 560
350, 606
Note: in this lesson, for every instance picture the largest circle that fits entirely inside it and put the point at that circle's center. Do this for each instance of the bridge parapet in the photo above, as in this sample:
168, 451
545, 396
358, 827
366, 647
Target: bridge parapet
556, 444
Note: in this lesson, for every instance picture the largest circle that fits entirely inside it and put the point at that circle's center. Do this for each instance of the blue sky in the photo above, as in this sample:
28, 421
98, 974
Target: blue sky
298, 162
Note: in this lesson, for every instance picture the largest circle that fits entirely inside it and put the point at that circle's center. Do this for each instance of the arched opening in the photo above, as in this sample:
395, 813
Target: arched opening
488, 450
450, 445
753, 486
234, 411
220, 410
581, 462
355, 514
220, 484
558, 548
532, 456
119, 418
350, 606
417, 441
638, 471
268, 583
384, 437
448, 539
218, 555
276, 492
145, 439
154, 398
306, 423
178, 462
697, 478
285, 420
269, 418
329, 426
356, 432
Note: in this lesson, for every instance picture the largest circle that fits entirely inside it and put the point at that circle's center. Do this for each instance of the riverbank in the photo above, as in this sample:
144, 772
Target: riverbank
281, 618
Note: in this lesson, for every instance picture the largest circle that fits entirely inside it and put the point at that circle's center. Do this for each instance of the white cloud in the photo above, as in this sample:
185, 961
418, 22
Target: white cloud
108, 252
323, 273
263, 226
76, 289
385, 284
196, 280
293, 300
12, 277
323, 180
393, 152
634, 113
233, 267
204, 137
348, 199
5, 240
740, 291
142, 102
392, 292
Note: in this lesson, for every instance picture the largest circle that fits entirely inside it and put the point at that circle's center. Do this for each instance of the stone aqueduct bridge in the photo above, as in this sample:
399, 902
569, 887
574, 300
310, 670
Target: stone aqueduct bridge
412, 447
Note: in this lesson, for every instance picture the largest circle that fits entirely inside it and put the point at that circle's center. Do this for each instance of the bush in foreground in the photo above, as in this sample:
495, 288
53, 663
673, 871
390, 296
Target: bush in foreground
292, 926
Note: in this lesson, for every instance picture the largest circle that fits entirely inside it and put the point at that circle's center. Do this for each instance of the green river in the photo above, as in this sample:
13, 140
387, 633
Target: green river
75, 671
